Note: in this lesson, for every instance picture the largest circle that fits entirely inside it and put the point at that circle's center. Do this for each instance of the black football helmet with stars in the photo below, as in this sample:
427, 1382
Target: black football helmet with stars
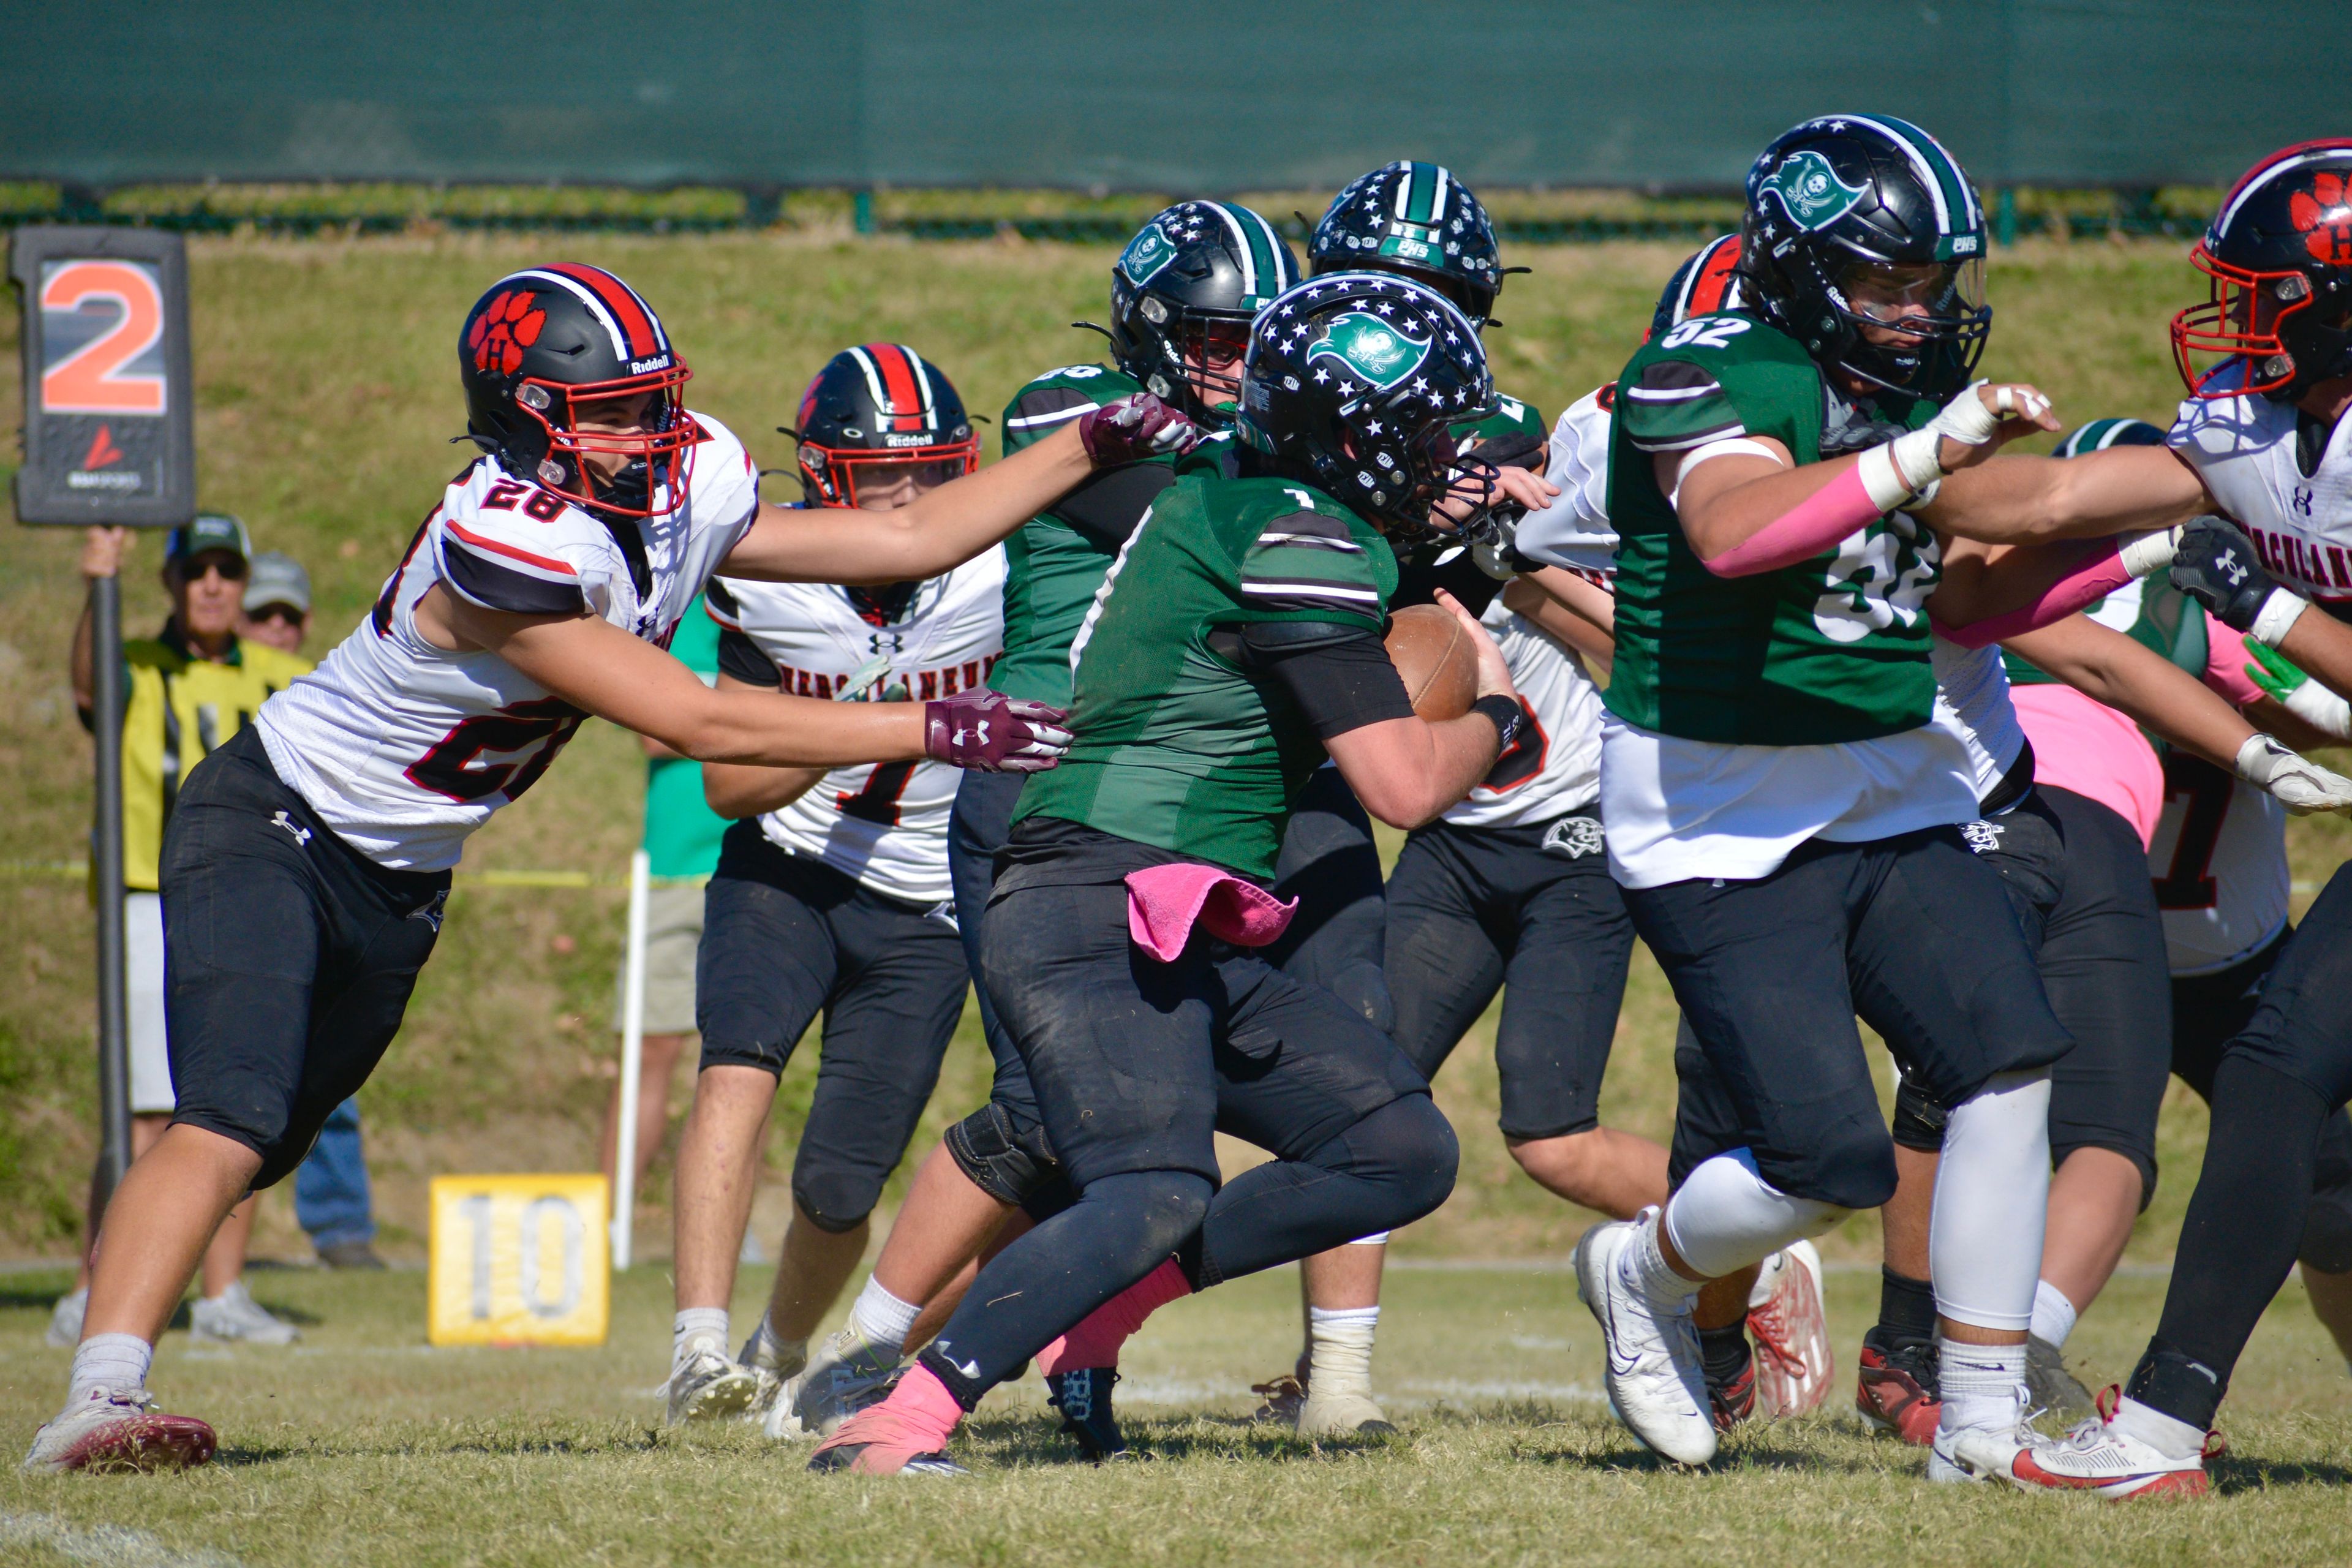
1354, 383
1182, 295
1848, 198
1418, 220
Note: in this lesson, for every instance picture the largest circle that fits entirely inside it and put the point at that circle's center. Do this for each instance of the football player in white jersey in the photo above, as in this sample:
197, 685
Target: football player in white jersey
306, 867
832, 891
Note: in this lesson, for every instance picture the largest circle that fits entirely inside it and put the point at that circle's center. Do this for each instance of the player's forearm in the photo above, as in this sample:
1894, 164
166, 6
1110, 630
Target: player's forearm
2020, 500
1569, 609
2151, 690
736, 792
771, 731
1407, 771
940, 530
84, 658
2322, 646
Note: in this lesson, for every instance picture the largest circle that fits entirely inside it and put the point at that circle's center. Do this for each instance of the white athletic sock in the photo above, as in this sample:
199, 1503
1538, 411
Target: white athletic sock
698, 1328
1643, 1265
1983, 1385
2168, 1436
1992, 1194
1725, 1217
2053, 1315
764, 1348
882, 1318
1339, 1348
109, 1361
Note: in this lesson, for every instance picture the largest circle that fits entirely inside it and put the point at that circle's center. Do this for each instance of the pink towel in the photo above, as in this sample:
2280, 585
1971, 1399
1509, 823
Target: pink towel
1164, 902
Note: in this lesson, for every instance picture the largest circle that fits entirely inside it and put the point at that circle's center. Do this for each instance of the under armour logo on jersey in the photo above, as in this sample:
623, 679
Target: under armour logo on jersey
2300, 501
1575, 837
1984, 838
301, 834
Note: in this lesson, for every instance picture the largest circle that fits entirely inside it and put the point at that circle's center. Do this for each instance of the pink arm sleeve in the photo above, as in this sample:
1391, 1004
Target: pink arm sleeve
2094, 579
2225, 665
1804, 531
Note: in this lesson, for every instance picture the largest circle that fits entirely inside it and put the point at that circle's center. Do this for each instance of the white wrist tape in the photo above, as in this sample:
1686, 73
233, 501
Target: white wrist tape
1893, 472
2321, 709
1966, 419
2143, 554
1735, 447
2279, 611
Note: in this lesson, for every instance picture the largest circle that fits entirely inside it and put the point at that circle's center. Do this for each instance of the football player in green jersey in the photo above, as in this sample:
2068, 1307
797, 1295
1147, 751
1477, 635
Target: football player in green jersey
1234, 644
1184, 292
1782, 813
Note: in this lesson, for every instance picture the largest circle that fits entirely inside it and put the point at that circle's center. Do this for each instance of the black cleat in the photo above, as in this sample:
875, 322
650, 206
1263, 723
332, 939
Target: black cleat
1083, 1396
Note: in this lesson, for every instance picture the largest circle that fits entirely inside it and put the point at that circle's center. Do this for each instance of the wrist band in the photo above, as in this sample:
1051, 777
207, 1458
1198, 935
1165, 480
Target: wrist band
1505, 714
2280, 611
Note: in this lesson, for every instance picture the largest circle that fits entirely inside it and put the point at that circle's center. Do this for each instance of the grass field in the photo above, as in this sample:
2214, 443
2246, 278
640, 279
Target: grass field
364, 1446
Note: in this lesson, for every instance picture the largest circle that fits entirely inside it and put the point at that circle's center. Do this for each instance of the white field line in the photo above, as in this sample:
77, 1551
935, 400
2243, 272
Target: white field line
107, 1545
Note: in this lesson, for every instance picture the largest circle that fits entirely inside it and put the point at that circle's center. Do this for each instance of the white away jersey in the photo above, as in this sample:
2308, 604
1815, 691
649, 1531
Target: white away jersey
883, 824
404, 749
1556, 768
2219, 862
1972, 701
1574, 531
2244, 448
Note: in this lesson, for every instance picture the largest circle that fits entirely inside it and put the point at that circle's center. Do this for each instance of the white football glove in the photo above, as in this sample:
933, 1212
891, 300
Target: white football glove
2300, 785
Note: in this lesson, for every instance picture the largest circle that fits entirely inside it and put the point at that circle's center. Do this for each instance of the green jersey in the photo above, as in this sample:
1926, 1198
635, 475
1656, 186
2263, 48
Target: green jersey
1511, 417
1178, 745
682, 833
1833, 649
1051, 569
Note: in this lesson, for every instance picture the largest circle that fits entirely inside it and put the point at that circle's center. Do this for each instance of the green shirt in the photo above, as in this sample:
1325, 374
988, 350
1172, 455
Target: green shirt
1178, 745
1051, 569
1833, 649
682, 832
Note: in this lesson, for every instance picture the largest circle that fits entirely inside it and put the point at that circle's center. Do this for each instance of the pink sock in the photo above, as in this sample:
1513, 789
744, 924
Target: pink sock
1096, 1342
917, 1418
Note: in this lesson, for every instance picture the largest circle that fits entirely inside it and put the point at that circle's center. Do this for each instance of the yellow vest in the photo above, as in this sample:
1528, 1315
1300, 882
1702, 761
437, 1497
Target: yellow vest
178, 708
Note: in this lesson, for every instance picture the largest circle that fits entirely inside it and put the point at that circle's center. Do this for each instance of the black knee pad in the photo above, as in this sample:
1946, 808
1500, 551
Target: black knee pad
2142, 1161
1005, 1156
1407, 1145
836, 1201
1918, 1120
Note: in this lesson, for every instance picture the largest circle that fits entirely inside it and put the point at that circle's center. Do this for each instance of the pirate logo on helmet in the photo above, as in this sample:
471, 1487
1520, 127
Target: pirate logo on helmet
1378, 350
1810, 192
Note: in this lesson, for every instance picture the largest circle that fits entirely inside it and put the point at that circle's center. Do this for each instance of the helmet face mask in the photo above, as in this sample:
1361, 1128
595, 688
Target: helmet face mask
1183, 293
880, 425
1354, 384
1863, 241
571, 383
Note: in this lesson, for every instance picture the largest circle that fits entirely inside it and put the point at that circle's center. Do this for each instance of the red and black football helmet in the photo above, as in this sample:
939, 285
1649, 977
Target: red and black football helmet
550, 356
875, 416
2279, 253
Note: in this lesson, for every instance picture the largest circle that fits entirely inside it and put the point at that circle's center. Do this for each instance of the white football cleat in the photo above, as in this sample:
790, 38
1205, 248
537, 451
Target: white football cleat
65, 1320
1978, 1453
844, 1376
1794, 1366
775, 1370
236, 1317
2100, 1457
1339, 1414
118, 1429
1651, 1367
708, 1387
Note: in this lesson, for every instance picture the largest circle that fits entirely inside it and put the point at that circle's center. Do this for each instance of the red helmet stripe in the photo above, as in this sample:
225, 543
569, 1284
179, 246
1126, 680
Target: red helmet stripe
636, 320
1714, 279
898, 376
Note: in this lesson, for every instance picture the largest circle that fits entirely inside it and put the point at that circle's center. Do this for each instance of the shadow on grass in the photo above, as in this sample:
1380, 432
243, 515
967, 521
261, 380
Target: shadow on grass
1022, 1441
2232, 1475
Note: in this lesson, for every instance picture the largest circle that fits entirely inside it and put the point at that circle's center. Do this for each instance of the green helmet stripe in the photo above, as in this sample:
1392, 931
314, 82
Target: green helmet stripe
1260, 249
1421, 198
1957, 211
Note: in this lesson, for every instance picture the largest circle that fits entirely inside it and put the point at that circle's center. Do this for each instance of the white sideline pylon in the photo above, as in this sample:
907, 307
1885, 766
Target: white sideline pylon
633, 1046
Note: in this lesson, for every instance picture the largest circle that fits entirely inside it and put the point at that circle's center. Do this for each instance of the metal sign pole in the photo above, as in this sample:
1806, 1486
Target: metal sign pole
110, 441
113, 1031
633, 1057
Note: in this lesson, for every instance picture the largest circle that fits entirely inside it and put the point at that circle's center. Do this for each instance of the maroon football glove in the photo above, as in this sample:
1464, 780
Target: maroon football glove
994, 733
1134, 429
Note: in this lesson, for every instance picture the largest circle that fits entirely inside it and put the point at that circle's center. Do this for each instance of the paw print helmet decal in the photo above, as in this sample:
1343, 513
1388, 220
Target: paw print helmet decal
571, 384
1418, 221
1354, 383
2278, 310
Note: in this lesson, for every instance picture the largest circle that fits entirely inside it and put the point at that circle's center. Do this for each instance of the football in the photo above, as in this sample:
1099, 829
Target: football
1433, 655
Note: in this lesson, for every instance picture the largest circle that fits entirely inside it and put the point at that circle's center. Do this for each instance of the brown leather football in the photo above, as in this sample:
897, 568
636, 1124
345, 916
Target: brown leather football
1433, 655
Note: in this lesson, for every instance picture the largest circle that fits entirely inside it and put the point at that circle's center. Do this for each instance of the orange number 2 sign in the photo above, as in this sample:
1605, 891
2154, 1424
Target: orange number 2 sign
91, 379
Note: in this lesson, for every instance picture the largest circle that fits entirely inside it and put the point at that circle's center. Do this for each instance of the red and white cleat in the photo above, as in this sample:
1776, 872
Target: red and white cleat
120, 1429
1794, 1366
1896, 1389
2099, 1457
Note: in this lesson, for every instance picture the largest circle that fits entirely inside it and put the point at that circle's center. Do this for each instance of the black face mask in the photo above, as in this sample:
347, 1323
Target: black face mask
880, 606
